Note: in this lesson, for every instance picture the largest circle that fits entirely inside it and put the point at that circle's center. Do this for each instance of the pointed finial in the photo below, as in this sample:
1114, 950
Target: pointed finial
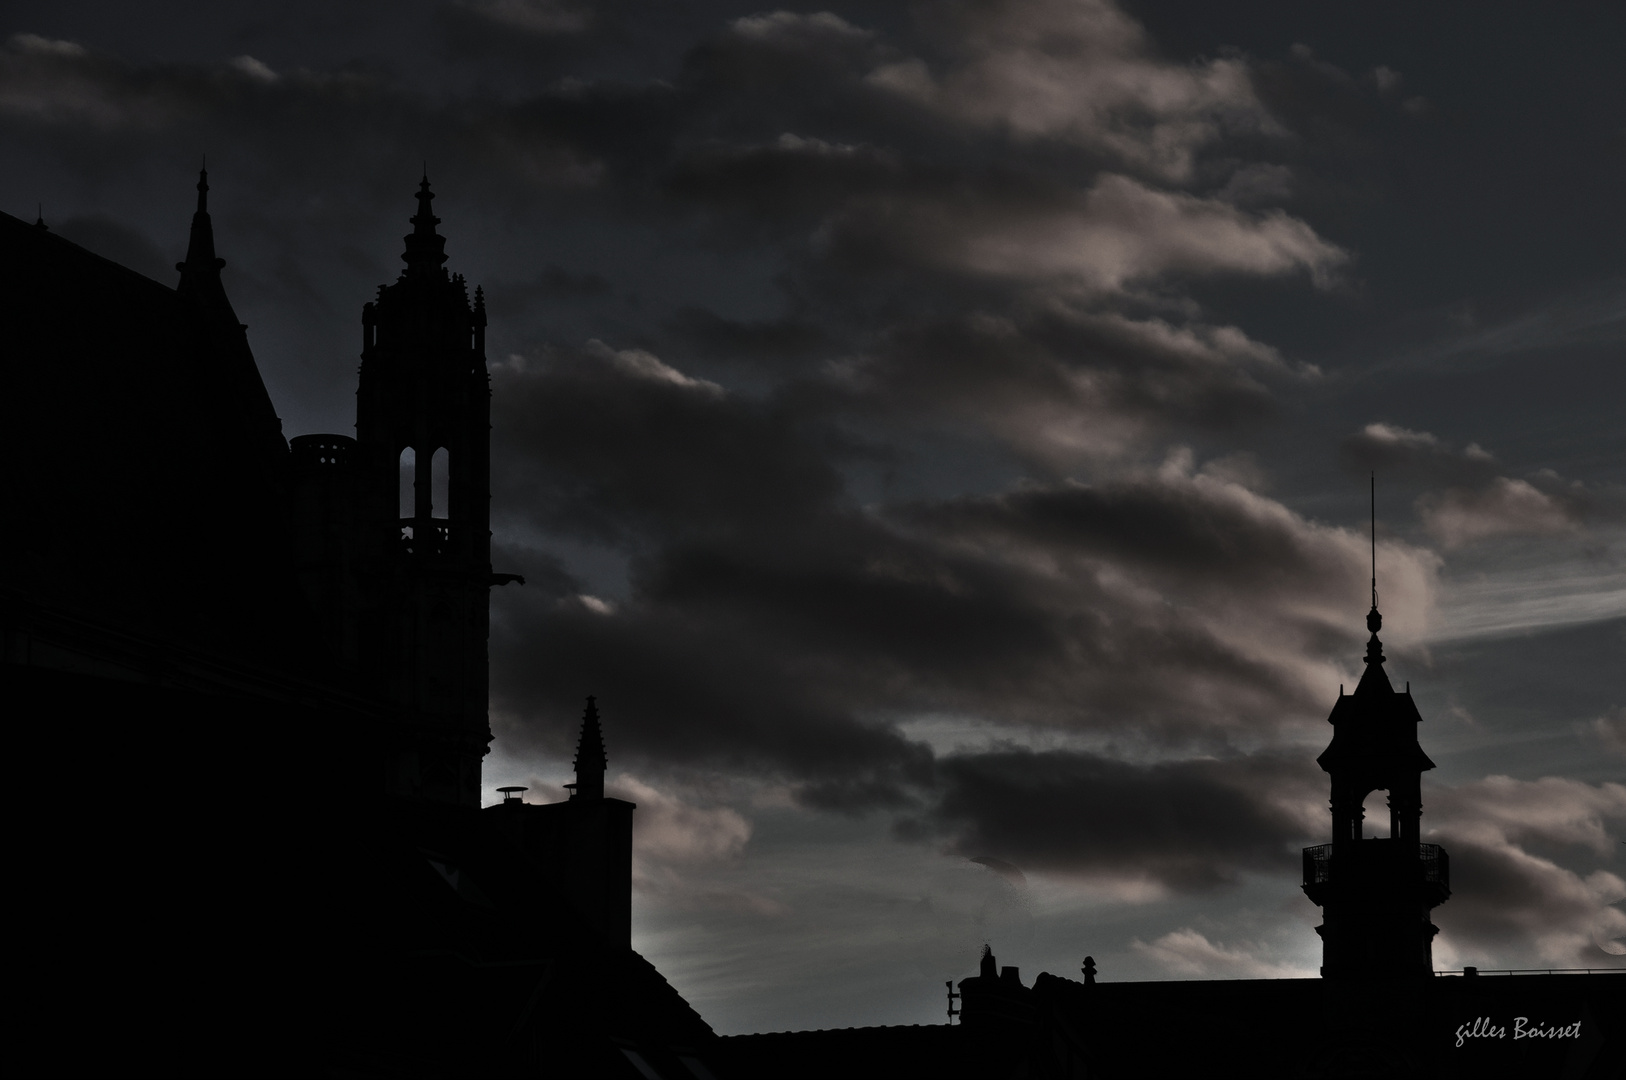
39, 218
203, 187
591, 761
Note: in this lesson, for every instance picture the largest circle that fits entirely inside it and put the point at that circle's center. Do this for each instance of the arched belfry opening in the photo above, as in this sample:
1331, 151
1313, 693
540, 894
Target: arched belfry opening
407, 476
1376, 816
1376, 891
440, 483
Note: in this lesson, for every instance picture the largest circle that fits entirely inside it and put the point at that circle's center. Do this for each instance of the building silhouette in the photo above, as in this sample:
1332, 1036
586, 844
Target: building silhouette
246, 679
1379, 1009
393, 527
249, 679
1376, 894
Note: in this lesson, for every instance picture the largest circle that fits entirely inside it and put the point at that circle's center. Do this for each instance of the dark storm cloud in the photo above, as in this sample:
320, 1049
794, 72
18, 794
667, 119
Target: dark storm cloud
1003, 257
1206, 534
1188, 826
68, 96
758, 127
685, 691
544, 18
787, 184
1176, 604
552, 283
617, 446
762, 341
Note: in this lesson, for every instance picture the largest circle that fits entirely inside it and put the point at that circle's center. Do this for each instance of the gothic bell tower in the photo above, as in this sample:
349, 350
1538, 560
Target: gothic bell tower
1376, 894
422, 466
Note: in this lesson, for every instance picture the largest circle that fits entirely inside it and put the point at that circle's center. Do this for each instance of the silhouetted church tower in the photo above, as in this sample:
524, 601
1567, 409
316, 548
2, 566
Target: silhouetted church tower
1376, 894
394, 527
423, 449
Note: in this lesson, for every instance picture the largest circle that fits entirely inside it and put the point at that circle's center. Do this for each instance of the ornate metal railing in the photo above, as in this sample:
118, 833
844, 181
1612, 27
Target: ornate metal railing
1436, 865
1318, 864
1376, 858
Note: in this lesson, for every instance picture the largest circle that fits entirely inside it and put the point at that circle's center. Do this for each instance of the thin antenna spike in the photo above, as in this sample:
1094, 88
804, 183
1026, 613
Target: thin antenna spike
1374, 539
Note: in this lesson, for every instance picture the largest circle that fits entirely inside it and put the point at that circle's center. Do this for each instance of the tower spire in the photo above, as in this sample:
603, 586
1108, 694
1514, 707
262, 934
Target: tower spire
425, 248
1374, 620
590, 758
201, 265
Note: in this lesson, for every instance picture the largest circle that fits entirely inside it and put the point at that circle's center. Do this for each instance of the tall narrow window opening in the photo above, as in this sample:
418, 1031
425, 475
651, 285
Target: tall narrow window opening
440, 482
409, 476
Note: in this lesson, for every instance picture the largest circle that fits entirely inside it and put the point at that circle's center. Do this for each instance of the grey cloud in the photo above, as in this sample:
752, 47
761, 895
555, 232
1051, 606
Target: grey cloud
1400, 453
1209, 533
1189, 826
1117, 234
1470, 501
1077, 71
1505, 837
714, 337
1061, 385
1504, 507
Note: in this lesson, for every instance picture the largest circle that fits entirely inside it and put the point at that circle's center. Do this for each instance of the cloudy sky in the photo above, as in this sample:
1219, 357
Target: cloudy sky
939, 434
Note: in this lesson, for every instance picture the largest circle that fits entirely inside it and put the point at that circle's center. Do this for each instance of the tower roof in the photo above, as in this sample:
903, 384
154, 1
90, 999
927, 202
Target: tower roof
1375, 728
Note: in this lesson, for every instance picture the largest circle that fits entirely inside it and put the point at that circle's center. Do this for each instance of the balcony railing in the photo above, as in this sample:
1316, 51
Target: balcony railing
1377, 862
431, 537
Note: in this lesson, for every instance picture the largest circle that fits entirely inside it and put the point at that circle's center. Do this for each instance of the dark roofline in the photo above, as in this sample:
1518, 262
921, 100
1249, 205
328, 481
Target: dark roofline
45, 234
